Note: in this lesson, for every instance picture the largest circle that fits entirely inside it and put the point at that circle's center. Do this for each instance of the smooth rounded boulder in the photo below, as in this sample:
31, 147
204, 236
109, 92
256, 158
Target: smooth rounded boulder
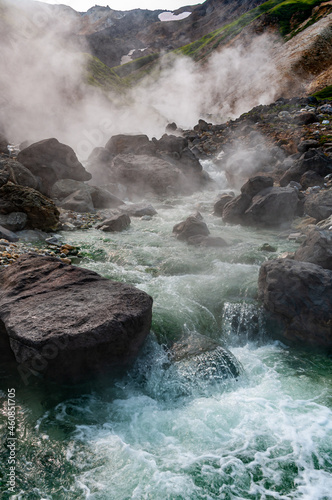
299, 295
67, 323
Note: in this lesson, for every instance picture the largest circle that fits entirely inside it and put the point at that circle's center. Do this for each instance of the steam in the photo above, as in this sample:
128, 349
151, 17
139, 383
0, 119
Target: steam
44, 94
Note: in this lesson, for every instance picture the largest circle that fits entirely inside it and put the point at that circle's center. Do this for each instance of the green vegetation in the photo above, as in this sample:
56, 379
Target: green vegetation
324, 94
100, 75
286, 14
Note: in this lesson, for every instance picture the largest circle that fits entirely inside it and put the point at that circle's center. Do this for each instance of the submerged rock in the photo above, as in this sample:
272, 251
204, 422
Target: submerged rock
193, 226
68, 323
116, 223
299, 295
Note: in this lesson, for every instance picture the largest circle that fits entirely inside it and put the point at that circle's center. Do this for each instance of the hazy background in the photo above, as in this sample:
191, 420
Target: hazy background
83, 5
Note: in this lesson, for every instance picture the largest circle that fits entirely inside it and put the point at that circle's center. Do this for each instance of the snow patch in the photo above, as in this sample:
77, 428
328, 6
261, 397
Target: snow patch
128, 58
170, 16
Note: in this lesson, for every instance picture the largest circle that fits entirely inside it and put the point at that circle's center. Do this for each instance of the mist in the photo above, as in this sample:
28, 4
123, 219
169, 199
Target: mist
44, 94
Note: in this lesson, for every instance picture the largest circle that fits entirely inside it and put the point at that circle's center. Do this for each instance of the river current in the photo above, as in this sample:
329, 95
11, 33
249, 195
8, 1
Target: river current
266, 435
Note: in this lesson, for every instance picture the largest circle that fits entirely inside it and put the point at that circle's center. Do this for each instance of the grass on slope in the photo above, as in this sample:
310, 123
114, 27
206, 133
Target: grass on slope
100, 75
324, 93
287, 14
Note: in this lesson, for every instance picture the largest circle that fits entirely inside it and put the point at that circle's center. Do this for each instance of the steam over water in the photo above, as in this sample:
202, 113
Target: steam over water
149, 435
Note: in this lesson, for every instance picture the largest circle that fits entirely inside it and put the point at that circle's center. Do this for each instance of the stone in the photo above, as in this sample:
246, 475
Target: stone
96, 197
142, 174
234, 210
102, 198
319, 205
193, 226
18, 173
138, 210
8, 235
306, 118
299, 296
51, 161
272, 206
325, 224
130, 144
67, 323
207, 241
15, 221
307, 144
314, 160
310, 179
171, 144
317, 249
218, 207
115, 223
41, 211
79, 201
256, 184
3, 144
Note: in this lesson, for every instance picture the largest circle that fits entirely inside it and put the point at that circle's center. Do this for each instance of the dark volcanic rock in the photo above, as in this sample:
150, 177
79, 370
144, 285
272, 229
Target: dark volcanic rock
138, 210
50, 161
79, 201
41, 211
207, 241
234, 210
3, 144
256, 184
8, 235
218, 207
130, 144
116, 223
15, 221
18, 173
193, 226
94, 197
311, 178
299, 294
317, 249
319, 205
272, 207
314, 160
68, 323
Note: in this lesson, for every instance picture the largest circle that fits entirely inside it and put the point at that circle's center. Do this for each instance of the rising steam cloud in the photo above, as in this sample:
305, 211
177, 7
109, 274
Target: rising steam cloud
43, 93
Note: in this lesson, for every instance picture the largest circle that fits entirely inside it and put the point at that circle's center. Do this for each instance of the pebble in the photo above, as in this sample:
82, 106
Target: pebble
10, 252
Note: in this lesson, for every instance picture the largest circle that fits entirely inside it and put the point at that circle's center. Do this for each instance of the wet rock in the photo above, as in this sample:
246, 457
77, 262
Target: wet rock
319, 205
138, 210
18, 173
197, 358
116, 223
171, 144
3, 144
234, 210
41, 211
8, 235
317, 249
272, 206
299, 295
68, 323
130, 144
266, 247
306, 118
15, 221
101, 198
193, 226
220, 204
79, 201
256, 184
51, 161
143, 174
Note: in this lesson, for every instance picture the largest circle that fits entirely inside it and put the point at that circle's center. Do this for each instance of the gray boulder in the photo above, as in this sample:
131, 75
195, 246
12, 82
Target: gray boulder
234, 210
193, 226
130, 144
99, 197
272, 206
79, 201
8, 235
314, 160
15, 221
115, 223
18, 173
50, 161
319, 205
68, 323
218, 207
317, 249
256, 184
299, 295
138, 210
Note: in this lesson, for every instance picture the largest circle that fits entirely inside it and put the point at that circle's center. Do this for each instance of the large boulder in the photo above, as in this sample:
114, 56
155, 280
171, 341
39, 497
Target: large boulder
234, 210
68, 323
8, 235
79, 201
317, 249
171, 144
219, 205
314, 160
319, 205
272, 206
256, 184
193, 226
299, 295
3, 144
96, 197
50, 161
16, 221
142, 174
130, 144
41, 212
18, 173
115, 223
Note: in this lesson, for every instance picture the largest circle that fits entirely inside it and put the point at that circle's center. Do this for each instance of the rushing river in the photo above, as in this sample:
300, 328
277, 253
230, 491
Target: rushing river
265, 435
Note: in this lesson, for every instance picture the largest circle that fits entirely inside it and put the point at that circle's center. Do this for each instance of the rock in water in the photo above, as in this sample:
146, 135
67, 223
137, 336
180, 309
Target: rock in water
68, 323
299, 294
199, 358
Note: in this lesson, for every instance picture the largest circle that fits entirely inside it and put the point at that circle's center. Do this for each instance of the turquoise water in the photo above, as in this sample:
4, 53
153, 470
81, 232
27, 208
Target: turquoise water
266, 435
